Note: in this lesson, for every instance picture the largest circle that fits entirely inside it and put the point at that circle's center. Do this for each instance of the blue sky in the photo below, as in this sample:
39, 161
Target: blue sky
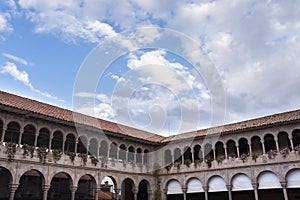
254, 47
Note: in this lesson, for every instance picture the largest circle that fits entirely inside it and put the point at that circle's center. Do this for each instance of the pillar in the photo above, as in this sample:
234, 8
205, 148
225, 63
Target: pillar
291, 141
250, 149
50, 141
255, 187
73, 190
214, 152
283, 184
184, 190
12, 188
96, 193
225, 150
192, 152
263, 147
63, 144
76, 144
20, 136
45, 191
149, 194
229, 188
117, 190
135, 192
277, 146
205, 188
165, 193
238, 151
35, 138
3, 133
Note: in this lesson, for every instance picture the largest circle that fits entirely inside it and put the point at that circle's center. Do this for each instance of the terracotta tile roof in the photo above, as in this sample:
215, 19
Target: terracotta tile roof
48, 110
37, 107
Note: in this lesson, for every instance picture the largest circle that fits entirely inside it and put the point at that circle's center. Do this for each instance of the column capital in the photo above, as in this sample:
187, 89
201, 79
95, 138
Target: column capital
46, 187
205, 188
255, 185
229, 187
283, 184
165, 190
184, 189
13, 187
117, 190
73, 188
135, 190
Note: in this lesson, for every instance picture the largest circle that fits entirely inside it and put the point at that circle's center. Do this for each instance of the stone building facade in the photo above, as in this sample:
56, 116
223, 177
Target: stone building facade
48, 152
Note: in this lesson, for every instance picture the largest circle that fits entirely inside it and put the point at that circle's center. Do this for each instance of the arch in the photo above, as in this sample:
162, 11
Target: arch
103, 151
43, 138
85, 187
113, 150
268, 180
28, 135
122, 152
198, 153
194, 185
217, 184
130, 156
177, 156
243, 146
109, 181
93, 147
61, 183
231, 149
269, 142
82, 145
30, 185
12, 132
143, 190
241, 182
256, 145
208, 151
220, 151
57, 140
168, 157
70, 143
174, 187
293, 178
139, 155
187, 154
296, 137
127, 189
146, 156
283, 140
5, 181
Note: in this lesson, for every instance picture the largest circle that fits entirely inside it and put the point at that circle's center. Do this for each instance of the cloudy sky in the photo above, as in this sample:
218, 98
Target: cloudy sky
253, 48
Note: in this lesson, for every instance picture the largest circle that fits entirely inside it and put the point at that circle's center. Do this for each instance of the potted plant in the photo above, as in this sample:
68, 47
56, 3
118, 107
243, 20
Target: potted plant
255, 156
272, 154
197, 162
284, 152
187, 163
94, 160
11, 149
297, 149
42, 153
71, 155
220, 159
83, 157
208, 161
103, 161
56, 153
168, 167
177, 165
244, 157
28, 150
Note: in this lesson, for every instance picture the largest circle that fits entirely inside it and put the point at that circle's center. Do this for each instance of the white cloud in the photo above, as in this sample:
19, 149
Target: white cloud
4, 24
15, 58
23, 77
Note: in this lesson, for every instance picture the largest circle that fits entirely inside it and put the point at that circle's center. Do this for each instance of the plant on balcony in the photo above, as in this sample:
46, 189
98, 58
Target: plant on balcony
284, 152
208, 161
177, 165
187, 162
94, 160
220, 159
83, 157
104, 161
28, 150
197, 162
232, 157
297, 149
11, 149
71, 155
272, 154
244, 157
168, 167
56, 153
133, 164
42, 153
255, 156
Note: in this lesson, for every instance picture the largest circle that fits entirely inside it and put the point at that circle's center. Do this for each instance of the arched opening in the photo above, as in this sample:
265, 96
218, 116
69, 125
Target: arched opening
30, 186
269, 186
60, 187
168, 157
195, 190
130, 157
217, 188
243, 146
231, 149
113, 150
220, 151
177, 156
146, 156
143, 190
70, 143
242, 187
122, 152
187, 155
86, 188
57, 140
269, 142
103, 149
43, 138
82, 145
127, 189
208, 152
5, 181
107, 189
139, 155
283, 141
93, 147
174, 190
12, 132
293, 184
198, 153
28, 135
296, 138
256, 145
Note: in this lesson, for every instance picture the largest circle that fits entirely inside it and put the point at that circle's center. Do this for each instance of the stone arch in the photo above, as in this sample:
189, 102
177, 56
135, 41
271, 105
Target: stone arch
43, 137
269, 142
283, 140
93, 147
122, 152
131, 152
231, 148
208, 151
128, 189
115, 183
103, 150
28, 135
82, 145
70, 143
167, 157
143, 189
139, 155
146, 156
173, 186
177, 155
57, 140
61, 184
293, 183
243, 146
113, 150
12, 132
256, 145
187, 154
240, 182
296, 137
194, 185
5, 181
220, 151
198, 155
269, 186
86, 186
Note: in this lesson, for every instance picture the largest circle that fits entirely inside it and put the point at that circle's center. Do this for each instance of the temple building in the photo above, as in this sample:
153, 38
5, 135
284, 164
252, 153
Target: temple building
47, 152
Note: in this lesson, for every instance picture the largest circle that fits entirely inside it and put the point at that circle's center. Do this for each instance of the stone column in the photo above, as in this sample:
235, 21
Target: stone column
12, 188
45, 191
63, 144
225, 150
205, 188
3, 133
150, 195
255, 187
238, 151
277, 146
229, 188
164, 195
96, 193
214, 152
20, 136
263, 147
76, 144
36, 138
193, 159
117, 190
291, 141
50, 141
203, 154
135, 192
184, 190
73, 190
250, 149
283, 184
